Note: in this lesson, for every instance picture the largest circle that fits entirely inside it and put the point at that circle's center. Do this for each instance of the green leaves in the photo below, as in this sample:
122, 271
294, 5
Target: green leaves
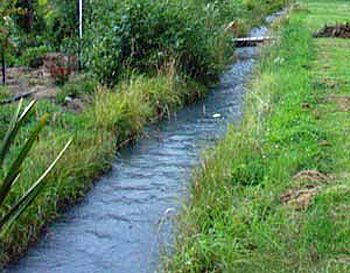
16, 123
16, 167
145, 36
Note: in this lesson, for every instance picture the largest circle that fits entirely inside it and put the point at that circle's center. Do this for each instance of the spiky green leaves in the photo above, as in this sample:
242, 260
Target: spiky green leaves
16, 167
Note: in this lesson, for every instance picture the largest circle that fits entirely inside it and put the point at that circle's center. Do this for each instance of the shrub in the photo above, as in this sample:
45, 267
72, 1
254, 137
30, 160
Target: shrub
267, 5
79, 86
33, 56
144, 35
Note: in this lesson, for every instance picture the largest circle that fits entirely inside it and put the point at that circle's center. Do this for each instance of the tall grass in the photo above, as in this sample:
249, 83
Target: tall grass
294, 141
146, 86
111, 119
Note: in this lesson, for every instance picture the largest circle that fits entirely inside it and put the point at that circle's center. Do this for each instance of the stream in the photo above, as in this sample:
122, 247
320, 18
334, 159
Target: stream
124, 223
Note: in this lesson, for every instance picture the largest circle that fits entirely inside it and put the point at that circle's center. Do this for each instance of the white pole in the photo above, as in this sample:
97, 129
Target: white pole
80, 19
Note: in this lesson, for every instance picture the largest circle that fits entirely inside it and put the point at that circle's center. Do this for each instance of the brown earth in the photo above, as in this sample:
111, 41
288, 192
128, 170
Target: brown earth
342, 101
301, 197
35, 83
41, 82
22, 80
337, 31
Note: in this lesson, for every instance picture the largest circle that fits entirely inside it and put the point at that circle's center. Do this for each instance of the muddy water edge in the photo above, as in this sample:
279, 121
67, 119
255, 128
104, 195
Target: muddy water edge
123, 221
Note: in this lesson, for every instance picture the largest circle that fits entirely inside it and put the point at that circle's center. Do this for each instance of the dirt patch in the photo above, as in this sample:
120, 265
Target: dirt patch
342, 102
23, 79
25, 82
45, 92
311, 176
337, 31
300, 198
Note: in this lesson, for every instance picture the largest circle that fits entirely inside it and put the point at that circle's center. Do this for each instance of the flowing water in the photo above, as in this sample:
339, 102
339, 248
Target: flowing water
123, 221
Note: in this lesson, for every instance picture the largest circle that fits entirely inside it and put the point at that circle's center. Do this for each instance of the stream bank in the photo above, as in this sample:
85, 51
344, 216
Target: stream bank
273, 195
108, 118
123, 222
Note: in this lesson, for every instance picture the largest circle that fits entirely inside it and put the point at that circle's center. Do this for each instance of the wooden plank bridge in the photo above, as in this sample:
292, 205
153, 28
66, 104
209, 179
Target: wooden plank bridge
251, 41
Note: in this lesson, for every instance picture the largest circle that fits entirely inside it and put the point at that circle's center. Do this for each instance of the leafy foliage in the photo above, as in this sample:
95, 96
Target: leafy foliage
7, 8
146, 41
267, 5
136, 35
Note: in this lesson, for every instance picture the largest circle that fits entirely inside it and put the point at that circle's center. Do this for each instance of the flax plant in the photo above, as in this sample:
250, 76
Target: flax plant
14, 172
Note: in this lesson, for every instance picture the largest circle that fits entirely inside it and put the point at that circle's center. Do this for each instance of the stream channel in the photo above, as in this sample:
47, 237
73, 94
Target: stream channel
125, 220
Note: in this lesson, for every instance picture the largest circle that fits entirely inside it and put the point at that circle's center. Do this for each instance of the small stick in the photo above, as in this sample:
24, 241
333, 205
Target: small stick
18, 97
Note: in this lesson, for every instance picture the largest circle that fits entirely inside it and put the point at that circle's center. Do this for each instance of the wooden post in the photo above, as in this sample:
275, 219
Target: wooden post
3, 61
80, 19
80, 32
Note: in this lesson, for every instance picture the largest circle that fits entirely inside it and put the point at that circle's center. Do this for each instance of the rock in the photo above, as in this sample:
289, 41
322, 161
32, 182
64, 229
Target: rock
68, 99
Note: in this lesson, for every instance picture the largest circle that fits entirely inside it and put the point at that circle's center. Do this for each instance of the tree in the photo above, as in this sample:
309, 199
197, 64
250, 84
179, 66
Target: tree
28, 16
7, 8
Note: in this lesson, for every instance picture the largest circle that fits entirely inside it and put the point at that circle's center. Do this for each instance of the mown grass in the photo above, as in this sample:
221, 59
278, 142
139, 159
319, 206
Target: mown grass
273, 196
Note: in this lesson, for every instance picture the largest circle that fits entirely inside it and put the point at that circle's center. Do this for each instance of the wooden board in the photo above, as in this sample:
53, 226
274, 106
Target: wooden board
251, 41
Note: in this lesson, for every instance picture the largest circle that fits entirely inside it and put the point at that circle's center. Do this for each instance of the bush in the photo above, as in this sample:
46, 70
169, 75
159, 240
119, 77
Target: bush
267, 5
145, 35
79, 86
33, 56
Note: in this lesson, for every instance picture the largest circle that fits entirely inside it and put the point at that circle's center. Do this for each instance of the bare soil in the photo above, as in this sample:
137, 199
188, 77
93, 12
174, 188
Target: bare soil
37, 84
301, 197
337, 31
22, 80
342, 101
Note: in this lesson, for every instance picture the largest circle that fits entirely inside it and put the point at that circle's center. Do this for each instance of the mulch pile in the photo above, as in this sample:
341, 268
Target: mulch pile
337, 31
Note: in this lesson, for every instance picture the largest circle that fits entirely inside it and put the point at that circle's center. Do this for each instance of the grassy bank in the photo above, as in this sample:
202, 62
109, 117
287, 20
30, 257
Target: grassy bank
274, 195
110, 119
107, 118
